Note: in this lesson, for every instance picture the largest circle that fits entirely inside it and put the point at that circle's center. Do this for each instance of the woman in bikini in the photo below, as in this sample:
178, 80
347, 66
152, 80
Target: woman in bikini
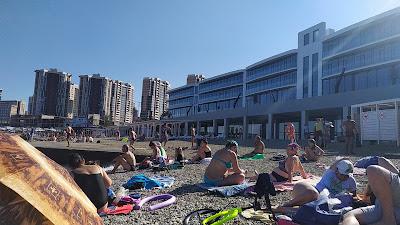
203, 152
223, 169
312, 152
289, 166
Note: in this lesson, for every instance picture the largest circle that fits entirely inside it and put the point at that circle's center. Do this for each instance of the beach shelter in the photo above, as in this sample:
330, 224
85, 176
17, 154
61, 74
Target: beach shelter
34, 190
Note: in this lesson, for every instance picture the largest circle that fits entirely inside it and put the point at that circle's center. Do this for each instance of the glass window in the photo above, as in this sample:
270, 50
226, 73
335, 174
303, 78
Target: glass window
305, 76
306, 39
315, 35
315, 74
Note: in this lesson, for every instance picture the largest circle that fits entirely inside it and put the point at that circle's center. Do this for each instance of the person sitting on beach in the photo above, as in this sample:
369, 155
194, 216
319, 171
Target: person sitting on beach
223, 169
259, 148
312, 152
92, 180
203, 152
384, 182
289, 166
338, 180
127, 160
179, 156
159, 154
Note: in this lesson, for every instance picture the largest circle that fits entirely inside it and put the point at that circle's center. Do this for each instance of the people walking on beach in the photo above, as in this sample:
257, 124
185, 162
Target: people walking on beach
127, 160
93, 181
224, 169
193, 134
69, 132
132, 137
117, 135
312, 152
319, 126
164, 134
350, 131
290, 132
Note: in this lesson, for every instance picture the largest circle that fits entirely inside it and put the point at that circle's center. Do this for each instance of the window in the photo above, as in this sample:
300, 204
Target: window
306, 39
315, 35
305, 76
315, 74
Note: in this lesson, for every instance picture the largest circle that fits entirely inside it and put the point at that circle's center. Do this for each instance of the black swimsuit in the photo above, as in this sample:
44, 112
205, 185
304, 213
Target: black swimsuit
208, 154
93, 186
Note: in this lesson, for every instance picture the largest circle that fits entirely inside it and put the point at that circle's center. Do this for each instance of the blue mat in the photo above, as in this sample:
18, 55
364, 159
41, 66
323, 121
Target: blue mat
226, 191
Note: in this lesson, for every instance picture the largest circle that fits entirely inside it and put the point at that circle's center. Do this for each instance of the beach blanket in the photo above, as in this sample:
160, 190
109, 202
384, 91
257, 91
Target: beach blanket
141, 180
226, 191
254, 157
117, 210
165, 181
286, 186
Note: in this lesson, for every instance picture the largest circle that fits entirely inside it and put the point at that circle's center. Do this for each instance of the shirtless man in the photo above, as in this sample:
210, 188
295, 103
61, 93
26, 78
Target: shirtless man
132, 137
69, 131
349, 128
259, 147
127, 160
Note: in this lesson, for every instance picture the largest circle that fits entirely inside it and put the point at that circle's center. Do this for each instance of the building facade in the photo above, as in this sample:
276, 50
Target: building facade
9, 109
51, 93
331, 75
122, 103
154, 98
73, 101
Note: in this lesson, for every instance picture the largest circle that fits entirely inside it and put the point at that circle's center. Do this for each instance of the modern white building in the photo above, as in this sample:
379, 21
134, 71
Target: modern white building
331, 74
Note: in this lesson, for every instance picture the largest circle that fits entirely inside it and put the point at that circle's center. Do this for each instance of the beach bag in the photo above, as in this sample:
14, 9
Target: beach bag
312, 214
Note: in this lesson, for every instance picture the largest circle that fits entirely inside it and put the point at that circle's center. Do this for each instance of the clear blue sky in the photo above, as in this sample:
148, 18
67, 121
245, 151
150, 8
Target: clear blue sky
128, 40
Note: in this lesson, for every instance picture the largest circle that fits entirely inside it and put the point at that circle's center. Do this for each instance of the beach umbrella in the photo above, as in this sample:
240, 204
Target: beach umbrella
34, 186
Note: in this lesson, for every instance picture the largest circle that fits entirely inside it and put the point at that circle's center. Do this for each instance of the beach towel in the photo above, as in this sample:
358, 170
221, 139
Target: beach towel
254, 157
259, 215
117, 210
141, 180
226, 191
165, 181
359, 171
286, 186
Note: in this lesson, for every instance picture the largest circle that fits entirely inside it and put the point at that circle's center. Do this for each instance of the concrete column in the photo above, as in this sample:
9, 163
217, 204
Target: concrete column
269, 127
346, 112
154, 130
186, 133
303, 123
198, 127
396, 106
226, 130
244, 135
215, 127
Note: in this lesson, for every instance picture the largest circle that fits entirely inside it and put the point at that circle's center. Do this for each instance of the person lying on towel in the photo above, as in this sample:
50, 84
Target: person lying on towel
338, 180
223, 169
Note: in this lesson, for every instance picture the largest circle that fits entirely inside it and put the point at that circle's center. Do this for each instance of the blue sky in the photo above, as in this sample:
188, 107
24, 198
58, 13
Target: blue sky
128, 40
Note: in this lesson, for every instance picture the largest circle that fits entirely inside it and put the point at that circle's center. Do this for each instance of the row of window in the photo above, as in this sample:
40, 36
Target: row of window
274, 82
272, 67
182, 112
314, 74
306, 70
272, 97
182, 101
219, 106
377, 77
221, 83
227, 93
379, 54
357, 37
181, 93
315, 35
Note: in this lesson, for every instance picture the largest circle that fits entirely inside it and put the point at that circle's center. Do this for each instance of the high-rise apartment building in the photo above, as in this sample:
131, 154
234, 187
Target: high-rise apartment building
94, 95
30, 105
111, 99
51, 92
73, 101
122, 102
154, 98
194, 78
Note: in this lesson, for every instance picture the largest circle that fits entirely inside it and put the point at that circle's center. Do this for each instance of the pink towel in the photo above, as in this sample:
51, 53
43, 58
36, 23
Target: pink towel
286, 186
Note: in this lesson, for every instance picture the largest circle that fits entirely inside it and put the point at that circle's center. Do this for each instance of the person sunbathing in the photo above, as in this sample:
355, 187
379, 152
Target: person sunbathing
259, 148
289, 166
223, 169
203, 152
159, 154
338, 180
92, 179
127, 160
384, 183
312, 152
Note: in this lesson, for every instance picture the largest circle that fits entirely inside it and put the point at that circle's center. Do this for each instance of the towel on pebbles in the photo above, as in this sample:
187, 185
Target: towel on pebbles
226, 191
165, 181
